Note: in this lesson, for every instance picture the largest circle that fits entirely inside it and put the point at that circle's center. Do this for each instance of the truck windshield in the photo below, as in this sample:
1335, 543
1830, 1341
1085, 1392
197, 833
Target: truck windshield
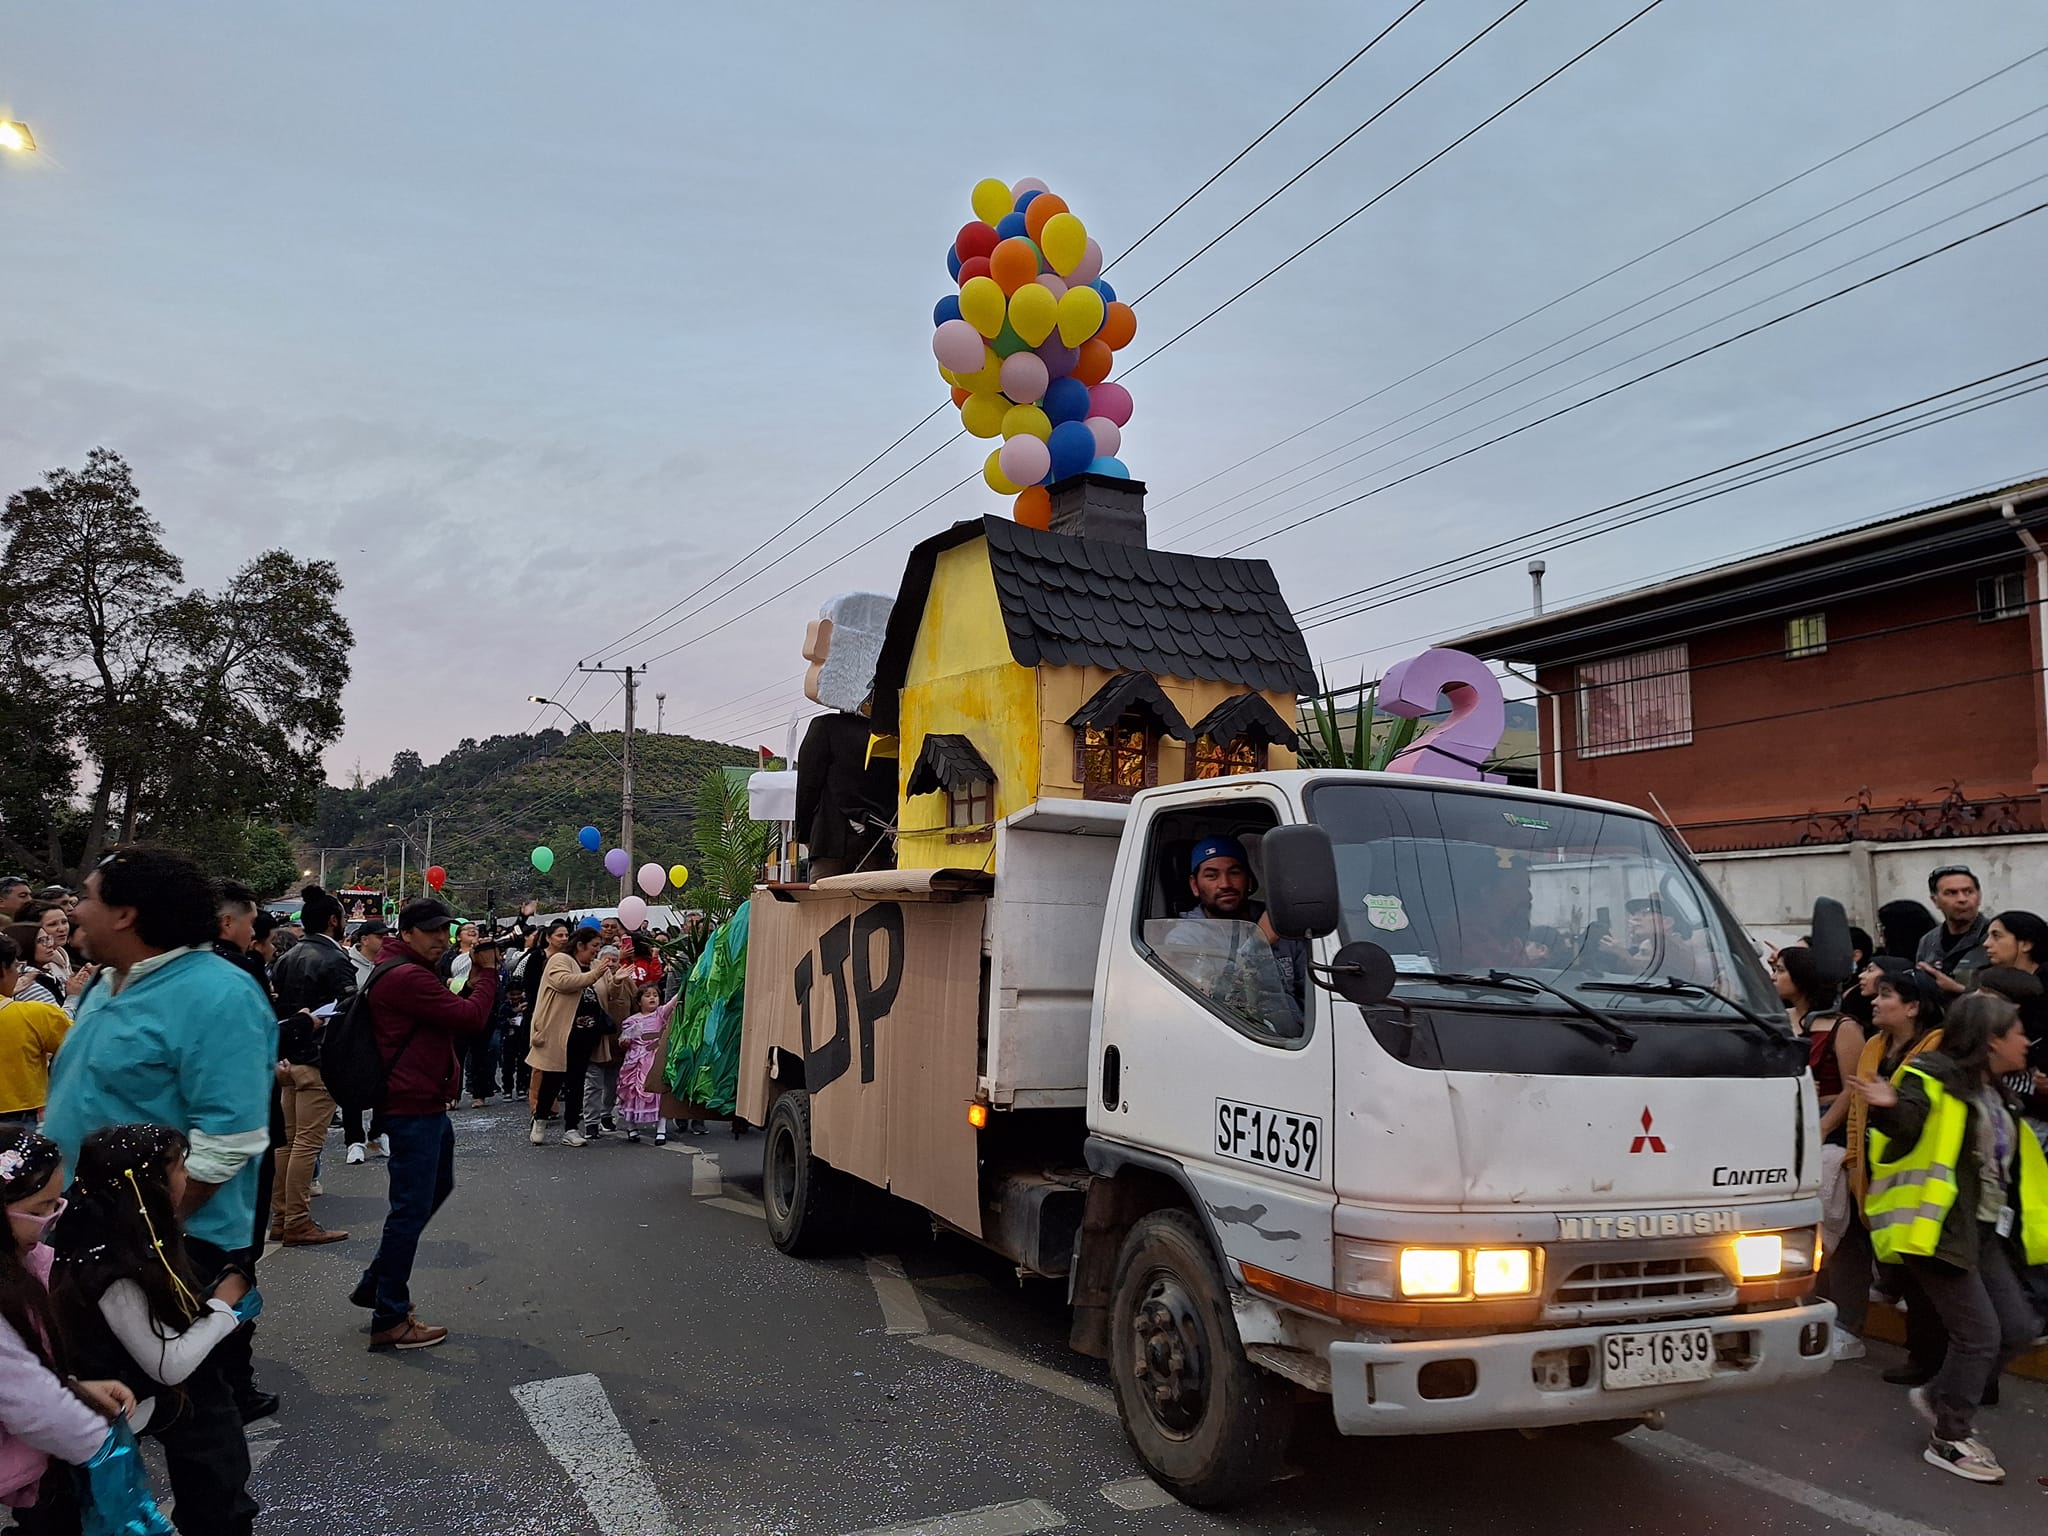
1456, 882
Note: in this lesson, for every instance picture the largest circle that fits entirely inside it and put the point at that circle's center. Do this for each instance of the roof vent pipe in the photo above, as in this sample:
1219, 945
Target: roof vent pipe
1536, 570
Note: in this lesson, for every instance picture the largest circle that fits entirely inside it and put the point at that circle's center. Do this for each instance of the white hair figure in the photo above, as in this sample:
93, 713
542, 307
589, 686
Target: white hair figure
843, 644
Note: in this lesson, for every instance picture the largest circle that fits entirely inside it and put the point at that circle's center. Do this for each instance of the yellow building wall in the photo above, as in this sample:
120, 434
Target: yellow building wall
1063, 690
962, 681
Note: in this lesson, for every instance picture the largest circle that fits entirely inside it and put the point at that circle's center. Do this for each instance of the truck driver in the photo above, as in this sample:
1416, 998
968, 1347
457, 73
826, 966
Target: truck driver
1257, 975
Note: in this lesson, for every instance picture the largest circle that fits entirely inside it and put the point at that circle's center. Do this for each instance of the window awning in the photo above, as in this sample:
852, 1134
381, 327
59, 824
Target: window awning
1248, 714
949, 763
1131, 693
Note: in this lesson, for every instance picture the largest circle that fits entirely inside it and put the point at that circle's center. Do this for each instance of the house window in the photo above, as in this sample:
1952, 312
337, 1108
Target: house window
971, 804
1115, 762
2001, 597
1209, 759
1806, 635
1634, 703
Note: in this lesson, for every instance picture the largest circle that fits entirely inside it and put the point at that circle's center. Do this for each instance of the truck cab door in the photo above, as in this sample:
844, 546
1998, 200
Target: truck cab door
1212, 1048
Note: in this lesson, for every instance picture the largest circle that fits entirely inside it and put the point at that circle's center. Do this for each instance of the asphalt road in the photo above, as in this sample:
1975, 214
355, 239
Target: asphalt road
631, 1357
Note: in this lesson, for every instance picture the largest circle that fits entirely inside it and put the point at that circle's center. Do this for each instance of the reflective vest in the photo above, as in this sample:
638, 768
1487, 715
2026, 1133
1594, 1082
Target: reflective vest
1911, 1195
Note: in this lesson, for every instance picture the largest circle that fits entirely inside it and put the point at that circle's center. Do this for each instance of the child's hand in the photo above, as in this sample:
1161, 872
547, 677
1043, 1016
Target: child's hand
109, 1398
232, 1288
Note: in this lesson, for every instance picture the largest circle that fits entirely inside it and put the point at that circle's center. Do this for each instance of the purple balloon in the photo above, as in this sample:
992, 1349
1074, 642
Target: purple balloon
1025, 459
1024, 379
616, 862
1059, 359
1089, 267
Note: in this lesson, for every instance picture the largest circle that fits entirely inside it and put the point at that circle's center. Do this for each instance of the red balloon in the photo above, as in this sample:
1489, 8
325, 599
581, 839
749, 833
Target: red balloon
1095, 361
1042, 208
436, 876
1119, 325
973, 266
1014, 264
975, 239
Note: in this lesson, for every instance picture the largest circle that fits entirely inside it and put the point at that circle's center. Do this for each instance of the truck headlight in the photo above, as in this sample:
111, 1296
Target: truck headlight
1759, 1255
1432, 1272
1503, 1271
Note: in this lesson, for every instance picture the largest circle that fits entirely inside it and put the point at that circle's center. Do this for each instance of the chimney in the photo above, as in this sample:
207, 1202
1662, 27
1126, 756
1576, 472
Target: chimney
1536, 570
1101, 507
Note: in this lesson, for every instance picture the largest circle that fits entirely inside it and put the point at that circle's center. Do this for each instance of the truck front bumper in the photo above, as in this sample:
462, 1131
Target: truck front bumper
1527, 1380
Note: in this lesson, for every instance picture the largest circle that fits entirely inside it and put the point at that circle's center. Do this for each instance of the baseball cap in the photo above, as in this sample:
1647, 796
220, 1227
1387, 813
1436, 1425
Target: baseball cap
424, 913
1217, 848
372, 925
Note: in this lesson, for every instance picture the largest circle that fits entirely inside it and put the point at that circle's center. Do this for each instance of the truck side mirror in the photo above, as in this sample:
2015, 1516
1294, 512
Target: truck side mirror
1301, 882
1834, 952
1360, 972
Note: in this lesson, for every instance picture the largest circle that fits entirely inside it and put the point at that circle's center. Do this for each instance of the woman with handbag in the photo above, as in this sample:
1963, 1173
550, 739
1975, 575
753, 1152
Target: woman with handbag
560, 1049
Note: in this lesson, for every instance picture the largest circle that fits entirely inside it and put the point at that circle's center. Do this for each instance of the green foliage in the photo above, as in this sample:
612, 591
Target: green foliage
256, 853
1374, 740
732, 848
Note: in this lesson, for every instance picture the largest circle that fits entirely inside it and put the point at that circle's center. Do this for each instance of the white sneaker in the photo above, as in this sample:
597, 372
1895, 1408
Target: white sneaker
573, 1139
357, 1152
1848, 1346
315, 1189
539, 1133
1970, 1458
383, 1146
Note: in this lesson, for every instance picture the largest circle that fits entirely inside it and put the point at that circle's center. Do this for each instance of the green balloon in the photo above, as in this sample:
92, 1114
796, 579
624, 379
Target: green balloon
1007, 341
543, 859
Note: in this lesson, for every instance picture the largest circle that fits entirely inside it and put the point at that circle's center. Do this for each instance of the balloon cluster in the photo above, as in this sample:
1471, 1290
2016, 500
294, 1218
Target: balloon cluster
652, 878
1028, 342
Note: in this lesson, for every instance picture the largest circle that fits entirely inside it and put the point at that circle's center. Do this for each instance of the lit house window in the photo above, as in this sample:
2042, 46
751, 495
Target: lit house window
1233, 737
950, 765
1806, 635
1114, 762
1210, 759
2001, 597
1634, 703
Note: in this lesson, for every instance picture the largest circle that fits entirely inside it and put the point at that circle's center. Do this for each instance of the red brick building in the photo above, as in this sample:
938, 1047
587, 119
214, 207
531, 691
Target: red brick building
1884, 682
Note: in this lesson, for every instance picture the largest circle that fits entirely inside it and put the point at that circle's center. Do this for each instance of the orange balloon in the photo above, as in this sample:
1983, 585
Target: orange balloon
1119, 324
1034, 503
1043, 207
1095, 361
960, 395
1014, 264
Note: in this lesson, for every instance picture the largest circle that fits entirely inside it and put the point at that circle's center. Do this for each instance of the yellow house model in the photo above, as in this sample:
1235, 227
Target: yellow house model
1024, 664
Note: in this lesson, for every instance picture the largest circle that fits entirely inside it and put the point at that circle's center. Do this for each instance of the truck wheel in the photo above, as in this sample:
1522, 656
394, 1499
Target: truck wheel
796, 1188
1209, 1426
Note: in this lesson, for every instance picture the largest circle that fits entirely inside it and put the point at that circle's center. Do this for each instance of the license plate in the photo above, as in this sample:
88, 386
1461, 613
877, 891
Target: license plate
1656, 1359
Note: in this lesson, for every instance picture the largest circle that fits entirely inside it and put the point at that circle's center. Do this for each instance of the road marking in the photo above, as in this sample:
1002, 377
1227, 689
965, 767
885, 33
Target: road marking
574, 1420
706, 1177
1014, 1519
902, 1312
1875, 1521
752, 1208
1136, 1493
1003, 1364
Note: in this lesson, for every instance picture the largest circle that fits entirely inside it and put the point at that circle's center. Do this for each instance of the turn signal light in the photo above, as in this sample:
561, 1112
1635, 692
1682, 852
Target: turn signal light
977, 1116
1432, 1272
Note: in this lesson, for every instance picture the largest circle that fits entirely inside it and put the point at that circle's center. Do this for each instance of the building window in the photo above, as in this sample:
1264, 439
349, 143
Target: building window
1806, 635
2001, 597
1209, 759
971, 804
1115, 762
1634, 703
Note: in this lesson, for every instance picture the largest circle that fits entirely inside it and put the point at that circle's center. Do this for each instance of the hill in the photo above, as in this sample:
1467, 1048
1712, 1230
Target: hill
493, 802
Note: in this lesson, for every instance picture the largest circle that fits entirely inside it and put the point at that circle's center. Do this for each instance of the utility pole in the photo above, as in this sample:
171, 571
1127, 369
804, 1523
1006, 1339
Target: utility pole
631, 675
660, 713
427, 862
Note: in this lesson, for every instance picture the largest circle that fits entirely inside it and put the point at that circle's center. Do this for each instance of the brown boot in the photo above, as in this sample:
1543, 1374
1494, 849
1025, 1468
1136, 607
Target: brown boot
311, 1235
410, 1334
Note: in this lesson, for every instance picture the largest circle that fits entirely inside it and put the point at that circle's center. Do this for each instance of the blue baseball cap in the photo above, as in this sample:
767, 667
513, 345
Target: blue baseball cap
591, 923
1217, 848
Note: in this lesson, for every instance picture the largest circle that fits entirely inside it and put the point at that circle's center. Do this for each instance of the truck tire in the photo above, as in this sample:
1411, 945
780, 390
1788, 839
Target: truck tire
1210, 1427
796, 1188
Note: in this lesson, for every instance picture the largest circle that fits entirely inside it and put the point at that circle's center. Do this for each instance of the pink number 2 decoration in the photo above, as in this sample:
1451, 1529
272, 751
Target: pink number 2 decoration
1458, 747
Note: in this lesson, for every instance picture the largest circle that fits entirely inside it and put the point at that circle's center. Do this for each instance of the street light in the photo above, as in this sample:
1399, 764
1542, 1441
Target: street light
576, 725
15, 138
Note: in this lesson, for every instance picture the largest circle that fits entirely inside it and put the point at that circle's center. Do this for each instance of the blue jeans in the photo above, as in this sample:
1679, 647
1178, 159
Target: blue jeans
422, 1168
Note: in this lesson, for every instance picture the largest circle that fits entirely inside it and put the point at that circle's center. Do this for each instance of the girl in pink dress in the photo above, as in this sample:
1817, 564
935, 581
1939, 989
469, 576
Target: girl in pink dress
640, 1034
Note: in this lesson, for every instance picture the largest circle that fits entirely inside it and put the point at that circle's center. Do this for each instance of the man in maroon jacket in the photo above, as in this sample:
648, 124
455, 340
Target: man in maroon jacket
417, 1020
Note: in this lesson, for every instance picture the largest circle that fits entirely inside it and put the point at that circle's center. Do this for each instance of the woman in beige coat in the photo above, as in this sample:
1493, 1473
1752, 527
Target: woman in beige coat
560, 1050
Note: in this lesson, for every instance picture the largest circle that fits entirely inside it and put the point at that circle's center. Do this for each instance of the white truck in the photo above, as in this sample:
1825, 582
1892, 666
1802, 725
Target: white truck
1494, 1122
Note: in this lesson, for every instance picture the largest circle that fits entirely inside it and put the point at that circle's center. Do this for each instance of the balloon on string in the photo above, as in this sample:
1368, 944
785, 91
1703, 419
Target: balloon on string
953, 263
632, 913
1109, 436
1066, 400
1101, 286
1093, 361
651, 879
1042, 212
678, 875
1119, 325
992, 472
991, 200
970, 269
946, 309
1052, 283
1058, 357
975, 239
1080, 315
1033, 507
982, 305
1014, 264
1026, 421
1112, 400
982, 413
436, 876
1088, 268
1064, 239
960, 396
1024, 188
616, 863
1011, 226
1025, 459
1007, 344
590, 838
957, 345
1072, 449
1024, 378
543, 858
1033, 314
1113, 467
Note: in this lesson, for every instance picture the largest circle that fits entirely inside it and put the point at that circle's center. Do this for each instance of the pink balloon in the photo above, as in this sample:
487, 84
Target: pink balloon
1028, 184
632, 912
1026, 459
1111, 400
1059, 360
1024, 378
652, 879
957, 345
1052, 283
1090, 267
1108, 436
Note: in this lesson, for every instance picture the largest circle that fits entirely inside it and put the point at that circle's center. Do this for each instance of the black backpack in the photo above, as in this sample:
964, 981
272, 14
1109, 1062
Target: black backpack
355, 1071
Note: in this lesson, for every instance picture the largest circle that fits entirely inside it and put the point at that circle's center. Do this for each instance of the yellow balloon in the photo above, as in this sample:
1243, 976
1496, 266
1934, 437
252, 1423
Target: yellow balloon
1064, 241
1080, 315
981, 306
678, 876
992, 200
987, 379
982, 414
992, 472
1026, 420
1033, 313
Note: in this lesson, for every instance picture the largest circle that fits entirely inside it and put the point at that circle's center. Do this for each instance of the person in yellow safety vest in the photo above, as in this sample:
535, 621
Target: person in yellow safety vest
1959, 1195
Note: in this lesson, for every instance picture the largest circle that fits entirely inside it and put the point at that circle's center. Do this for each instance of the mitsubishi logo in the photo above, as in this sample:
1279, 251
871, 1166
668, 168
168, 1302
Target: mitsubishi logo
1647, 1142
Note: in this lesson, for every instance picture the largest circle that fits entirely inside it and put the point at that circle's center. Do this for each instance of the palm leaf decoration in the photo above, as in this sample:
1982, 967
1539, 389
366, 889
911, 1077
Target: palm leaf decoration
1374, 740
732, 848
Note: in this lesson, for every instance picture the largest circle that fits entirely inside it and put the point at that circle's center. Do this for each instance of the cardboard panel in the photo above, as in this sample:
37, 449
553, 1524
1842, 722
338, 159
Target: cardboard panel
892, 992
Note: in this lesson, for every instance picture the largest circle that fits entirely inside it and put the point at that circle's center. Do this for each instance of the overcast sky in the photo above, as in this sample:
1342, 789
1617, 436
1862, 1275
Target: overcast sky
535, 317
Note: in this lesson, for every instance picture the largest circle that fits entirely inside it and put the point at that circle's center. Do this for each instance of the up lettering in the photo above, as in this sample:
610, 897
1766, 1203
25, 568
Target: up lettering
871, 996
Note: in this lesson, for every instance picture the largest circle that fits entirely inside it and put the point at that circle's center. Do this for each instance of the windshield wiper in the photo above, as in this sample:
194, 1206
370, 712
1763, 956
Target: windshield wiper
1675, 986
1612, 1033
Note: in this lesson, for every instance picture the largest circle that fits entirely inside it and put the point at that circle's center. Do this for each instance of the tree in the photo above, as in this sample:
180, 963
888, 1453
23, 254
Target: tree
732, 847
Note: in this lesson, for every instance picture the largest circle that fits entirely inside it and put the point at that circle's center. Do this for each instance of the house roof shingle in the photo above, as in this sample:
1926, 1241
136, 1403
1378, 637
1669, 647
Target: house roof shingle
1248, 714
948, 762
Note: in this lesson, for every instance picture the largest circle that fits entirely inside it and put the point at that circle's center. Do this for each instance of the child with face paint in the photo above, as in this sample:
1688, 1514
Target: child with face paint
45, 1420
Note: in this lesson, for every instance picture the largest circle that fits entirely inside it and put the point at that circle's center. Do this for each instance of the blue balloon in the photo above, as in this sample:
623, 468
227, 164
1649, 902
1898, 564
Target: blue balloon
1101, 286
946, 309
590, 838
1073, 448
1066, 400
953, 263
1024, 202
1011, 224
1109, 466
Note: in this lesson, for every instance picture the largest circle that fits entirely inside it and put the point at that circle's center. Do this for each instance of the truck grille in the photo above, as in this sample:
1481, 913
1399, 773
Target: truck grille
1640, 1287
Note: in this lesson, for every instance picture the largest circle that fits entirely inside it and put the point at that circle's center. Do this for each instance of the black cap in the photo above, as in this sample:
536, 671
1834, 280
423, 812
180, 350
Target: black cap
372, 926
425, 913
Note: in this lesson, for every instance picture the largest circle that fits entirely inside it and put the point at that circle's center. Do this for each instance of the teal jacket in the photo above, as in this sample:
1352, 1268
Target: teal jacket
191, 1046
